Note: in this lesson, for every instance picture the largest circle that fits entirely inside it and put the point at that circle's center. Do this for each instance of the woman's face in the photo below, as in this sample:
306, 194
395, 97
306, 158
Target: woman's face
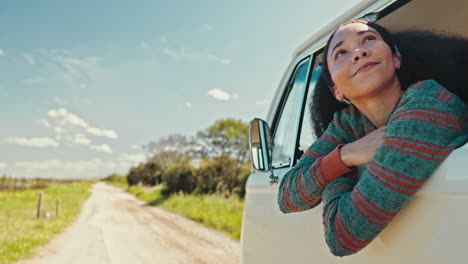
360, 62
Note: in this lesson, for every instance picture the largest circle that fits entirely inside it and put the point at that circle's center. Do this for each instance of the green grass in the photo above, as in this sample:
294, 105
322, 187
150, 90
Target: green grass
213, 211
116, 180
117, 184
21, 233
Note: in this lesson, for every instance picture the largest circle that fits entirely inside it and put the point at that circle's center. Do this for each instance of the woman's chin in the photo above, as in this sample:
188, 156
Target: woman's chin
368, 85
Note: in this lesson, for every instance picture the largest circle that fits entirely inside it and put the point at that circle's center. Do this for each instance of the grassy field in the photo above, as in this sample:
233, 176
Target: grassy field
21, 233
213, 211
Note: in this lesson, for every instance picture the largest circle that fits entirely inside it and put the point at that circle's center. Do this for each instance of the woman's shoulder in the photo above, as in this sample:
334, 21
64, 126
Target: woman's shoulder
430, 90
429, 94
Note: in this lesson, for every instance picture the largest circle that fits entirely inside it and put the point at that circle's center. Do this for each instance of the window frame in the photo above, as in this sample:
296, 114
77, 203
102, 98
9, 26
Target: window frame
310, 60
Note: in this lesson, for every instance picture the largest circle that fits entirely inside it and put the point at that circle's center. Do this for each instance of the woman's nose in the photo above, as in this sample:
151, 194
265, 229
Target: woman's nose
358, 53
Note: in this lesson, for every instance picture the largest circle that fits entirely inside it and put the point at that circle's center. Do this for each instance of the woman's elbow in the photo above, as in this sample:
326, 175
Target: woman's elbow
281, 204
339, 252
336, 249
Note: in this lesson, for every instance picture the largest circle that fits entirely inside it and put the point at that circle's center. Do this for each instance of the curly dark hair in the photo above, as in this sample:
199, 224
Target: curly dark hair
425, 55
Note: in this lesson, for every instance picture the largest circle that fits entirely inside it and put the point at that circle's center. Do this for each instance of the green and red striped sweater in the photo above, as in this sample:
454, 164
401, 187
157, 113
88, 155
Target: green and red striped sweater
427, 124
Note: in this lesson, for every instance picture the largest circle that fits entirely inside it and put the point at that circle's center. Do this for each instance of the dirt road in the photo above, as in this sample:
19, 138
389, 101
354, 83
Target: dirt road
114, 227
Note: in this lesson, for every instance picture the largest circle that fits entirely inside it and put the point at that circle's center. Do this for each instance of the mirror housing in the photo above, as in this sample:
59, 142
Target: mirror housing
260, 145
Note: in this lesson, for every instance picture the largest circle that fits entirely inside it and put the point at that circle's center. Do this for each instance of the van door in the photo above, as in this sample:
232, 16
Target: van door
268, 235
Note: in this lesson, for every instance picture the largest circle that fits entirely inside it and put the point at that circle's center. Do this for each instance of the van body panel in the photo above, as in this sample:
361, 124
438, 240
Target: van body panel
432, 228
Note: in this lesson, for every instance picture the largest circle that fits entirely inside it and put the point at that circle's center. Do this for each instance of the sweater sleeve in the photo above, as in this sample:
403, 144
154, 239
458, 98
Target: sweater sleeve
301, 187
419, 136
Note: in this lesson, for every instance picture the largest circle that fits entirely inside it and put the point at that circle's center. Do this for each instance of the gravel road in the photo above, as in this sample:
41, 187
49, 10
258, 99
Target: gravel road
114, 227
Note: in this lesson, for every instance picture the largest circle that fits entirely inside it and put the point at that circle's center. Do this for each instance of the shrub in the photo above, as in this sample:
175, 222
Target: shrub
39, 184
151, 173
222, 175
179, 177
116, 178
134, 176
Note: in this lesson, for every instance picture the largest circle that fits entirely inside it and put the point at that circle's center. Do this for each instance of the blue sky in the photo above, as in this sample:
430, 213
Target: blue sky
85, 83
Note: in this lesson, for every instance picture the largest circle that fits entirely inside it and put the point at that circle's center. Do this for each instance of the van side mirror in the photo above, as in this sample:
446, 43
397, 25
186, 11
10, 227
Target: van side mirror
260, 145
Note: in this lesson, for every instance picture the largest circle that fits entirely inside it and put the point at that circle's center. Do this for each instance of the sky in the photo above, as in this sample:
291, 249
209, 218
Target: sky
85, 84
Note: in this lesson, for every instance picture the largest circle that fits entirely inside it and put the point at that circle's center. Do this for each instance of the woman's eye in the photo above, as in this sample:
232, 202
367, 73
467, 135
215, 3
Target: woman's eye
339, 53
369, 38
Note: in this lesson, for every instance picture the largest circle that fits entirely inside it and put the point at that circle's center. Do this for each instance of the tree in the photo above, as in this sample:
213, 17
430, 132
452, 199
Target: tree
225, 138
179, 177
221, 175
135, 176
168, 150
148, 173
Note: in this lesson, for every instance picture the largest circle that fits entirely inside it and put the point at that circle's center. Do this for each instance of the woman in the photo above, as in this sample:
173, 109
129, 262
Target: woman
401, 131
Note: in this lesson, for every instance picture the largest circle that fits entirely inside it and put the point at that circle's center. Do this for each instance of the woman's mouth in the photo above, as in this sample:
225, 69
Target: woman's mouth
365, 67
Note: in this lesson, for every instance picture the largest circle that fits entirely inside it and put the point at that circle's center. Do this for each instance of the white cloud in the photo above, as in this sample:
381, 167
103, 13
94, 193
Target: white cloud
171, 53
206, 27
35, 142
44, 122
188, 105
59, 130
102, 132
101, 148
81, 139
63, 118
55, 164
77, 169
29, 58
221, 95
262, 102
187, 54
67, 118
1, 52
163, 39
215, 58
82, 100
145, 45
226, 61
58, 100
170, 148
3, 165
132, 158
35, 80
135, 146
76, 72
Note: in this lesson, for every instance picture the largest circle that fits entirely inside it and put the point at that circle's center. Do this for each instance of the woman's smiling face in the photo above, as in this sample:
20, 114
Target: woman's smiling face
360, 62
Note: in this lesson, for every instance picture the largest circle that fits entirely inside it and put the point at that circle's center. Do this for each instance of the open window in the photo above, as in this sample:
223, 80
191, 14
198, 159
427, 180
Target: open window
289, 116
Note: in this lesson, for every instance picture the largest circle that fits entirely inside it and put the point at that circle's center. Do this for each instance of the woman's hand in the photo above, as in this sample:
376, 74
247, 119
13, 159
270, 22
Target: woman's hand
362, 151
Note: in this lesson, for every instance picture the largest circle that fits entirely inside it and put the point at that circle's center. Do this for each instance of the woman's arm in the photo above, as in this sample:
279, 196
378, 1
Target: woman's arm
421, 134
301, 187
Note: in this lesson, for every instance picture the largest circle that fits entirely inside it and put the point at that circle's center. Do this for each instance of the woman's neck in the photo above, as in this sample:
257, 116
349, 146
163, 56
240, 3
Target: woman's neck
377, 108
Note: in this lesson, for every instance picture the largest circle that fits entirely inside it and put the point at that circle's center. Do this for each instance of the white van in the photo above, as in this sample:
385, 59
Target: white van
432, 228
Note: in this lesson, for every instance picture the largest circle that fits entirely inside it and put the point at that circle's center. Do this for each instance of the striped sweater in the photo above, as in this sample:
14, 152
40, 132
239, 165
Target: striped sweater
428, 122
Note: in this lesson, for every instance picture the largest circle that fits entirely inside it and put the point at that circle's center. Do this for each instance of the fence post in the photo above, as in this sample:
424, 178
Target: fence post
57, 208
39, 205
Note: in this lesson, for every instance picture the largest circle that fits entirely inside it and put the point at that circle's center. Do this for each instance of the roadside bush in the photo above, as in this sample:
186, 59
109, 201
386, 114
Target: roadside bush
116, 178
135, 176
242, 180
179, 177
39, 184
222, 175
151, 173
148, 173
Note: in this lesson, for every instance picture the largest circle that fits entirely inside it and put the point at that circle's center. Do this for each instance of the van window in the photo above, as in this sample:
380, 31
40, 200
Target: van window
307, 133
285, 133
